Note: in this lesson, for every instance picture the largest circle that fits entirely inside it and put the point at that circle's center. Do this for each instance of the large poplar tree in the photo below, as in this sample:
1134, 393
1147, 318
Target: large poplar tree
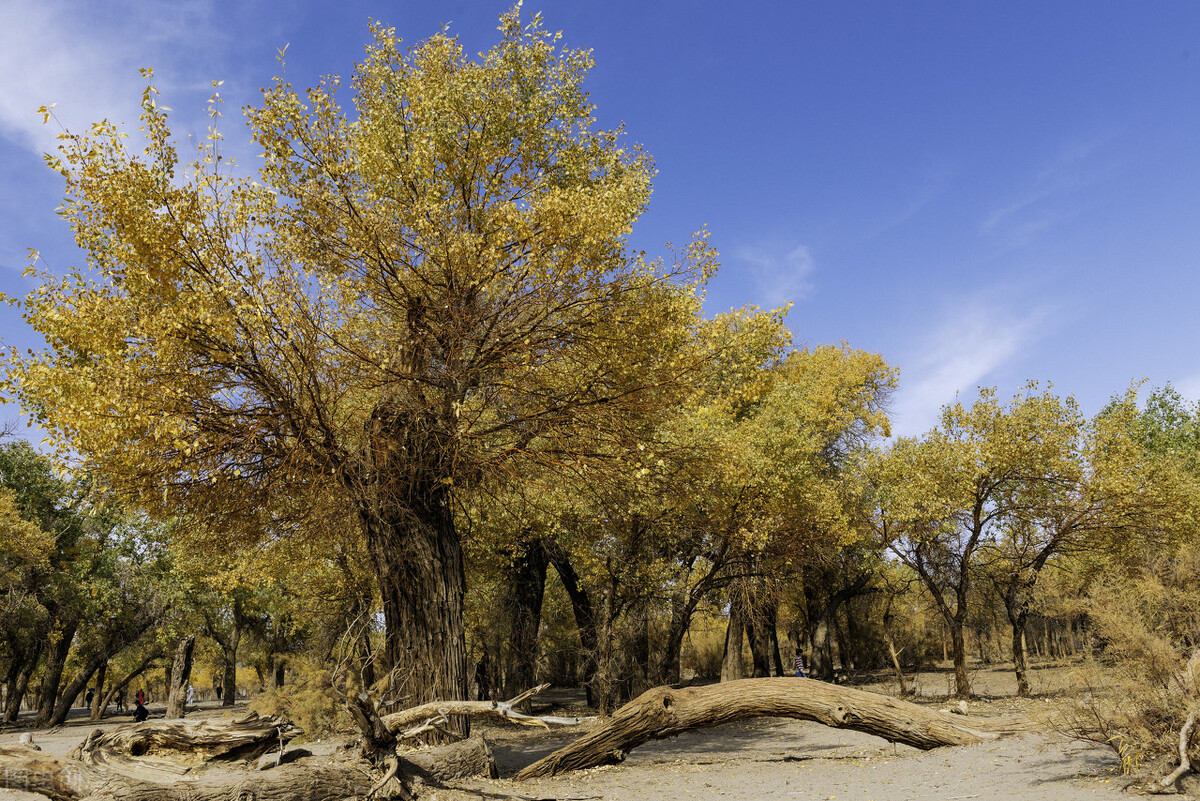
410, 295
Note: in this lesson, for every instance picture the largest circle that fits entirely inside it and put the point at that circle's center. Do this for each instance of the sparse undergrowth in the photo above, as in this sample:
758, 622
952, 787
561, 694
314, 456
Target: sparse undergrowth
1144, 697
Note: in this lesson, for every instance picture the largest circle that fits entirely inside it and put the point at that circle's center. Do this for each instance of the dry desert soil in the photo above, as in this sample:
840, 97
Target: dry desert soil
784, 759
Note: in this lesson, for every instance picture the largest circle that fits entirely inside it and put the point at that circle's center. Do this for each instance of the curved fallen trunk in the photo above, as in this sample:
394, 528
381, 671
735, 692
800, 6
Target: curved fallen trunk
664, 712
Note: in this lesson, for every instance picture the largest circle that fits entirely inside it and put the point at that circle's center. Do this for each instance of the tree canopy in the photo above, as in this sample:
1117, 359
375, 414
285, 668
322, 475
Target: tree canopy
405, 298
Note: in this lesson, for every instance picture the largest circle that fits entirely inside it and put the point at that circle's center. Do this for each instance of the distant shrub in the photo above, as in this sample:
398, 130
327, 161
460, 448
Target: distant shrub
309, 701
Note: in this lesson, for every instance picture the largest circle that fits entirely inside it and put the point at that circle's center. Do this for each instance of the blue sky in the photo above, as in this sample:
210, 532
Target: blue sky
984, 192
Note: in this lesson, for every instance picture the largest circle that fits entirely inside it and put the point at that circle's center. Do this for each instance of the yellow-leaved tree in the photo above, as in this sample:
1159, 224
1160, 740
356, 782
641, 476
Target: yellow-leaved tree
411, 295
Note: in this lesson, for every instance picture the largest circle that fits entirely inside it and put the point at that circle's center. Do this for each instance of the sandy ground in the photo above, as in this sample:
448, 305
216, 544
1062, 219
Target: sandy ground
782, 759
800, 760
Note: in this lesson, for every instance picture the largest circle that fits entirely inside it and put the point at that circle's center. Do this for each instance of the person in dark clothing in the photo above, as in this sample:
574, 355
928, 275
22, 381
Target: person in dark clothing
220, 690
87, 699
140, 712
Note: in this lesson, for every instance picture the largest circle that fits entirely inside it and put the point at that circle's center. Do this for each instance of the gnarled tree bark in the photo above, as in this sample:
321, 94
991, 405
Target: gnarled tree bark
666, 712
181, 674
166, 761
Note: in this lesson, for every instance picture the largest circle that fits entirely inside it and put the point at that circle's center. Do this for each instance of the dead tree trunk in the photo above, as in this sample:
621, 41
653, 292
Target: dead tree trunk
65, 779
665, 712
165, 761
142, 750
470, 757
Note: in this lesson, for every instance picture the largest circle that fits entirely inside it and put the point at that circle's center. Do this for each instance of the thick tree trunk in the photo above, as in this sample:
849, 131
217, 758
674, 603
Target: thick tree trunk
773, 629
229, 673
526, 590
1020, 664
52, 677
822, 646
10, 680
229, 647
99, 699
958, 645
604, 689
732, 667
1016, 606
402, 493
75, 687
419, 565
665, 712
585, 617
242, 740
759, 630
668, 663
638, 651
848, 651
760, 648
181, 674
18, 688
459, 760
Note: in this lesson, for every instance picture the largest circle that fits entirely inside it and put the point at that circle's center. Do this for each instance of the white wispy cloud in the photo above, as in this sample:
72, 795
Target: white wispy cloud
927, 186
84, 57
1051, 194
965, 346
780, 273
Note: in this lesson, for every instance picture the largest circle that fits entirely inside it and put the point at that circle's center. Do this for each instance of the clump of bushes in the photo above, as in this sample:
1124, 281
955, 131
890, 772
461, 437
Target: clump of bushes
1145, 672
310, 701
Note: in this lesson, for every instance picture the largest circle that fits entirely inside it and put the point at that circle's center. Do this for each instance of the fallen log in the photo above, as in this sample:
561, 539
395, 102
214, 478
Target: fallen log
158, 750
176, 761
664, 712
57, 778
64, 779
444, 763
399, 723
